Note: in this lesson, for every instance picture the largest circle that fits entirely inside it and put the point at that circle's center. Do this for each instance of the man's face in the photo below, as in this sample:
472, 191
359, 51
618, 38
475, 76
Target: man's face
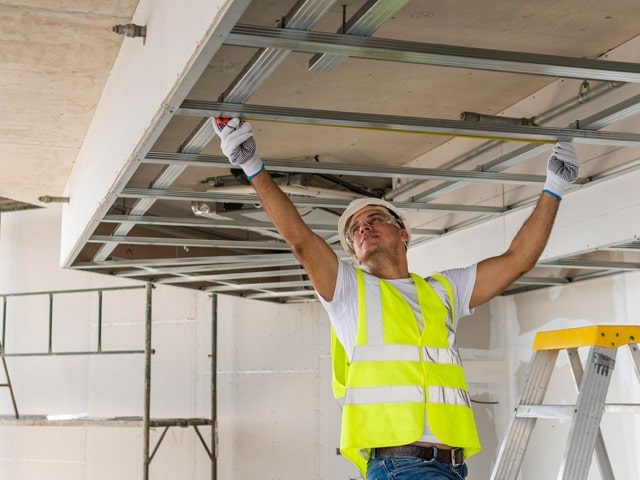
374, 231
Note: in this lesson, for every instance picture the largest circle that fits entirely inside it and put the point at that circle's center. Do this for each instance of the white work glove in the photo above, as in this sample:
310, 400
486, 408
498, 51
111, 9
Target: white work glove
562, 169
239, 146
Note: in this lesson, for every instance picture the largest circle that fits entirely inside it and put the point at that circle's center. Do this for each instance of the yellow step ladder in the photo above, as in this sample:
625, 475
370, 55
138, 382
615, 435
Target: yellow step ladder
585, 436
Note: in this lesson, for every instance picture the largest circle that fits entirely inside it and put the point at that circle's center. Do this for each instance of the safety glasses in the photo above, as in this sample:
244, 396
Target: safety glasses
372, 220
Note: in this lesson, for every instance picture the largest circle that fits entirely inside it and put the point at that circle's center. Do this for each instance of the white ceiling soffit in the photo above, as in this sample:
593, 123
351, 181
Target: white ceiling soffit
372, 109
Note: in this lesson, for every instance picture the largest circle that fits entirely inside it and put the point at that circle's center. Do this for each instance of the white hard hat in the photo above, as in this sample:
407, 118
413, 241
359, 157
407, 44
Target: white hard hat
357, 205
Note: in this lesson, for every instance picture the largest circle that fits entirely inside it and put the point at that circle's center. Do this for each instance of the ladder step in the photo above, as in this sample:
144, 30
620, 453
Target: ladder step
606, 336
566, 411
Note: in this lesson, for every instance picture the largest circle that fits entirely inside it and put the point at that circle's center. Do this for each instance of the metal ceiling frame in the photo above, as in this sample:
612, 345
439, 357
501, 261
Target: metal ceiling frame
375, 171
395, 123
510, 159
610, 115
364, 23
226, 272
256, 36
252, 199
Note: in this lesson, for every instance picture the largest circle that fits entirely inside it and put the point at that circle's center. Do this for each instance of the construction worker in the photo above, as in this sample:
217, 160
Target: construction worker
406, 410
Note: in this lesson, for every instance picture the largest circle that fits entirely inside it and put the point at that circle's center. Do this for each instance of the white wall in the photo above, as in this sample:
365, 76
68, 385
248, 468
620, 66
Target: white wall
277, 419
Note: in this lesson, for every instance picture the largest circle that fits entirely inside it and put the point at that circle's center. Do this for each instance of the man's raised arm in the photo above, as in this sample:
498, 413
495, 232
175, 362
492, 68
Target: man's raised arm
495, 274
316, 256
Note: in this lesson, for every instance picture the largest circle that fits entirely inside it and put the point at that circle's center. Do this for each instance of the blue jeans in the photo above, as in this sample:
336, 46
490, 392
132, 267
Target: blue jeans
412, 468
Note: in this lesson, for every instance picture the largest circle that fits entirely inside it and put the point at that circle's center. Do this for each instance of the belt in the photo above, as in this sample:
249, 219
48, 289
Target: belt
453, 457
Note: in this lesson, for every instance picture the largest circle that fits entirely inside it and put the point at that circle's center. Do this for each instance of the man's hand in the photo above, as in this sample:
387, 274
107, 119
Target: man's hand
562, 169
239, 146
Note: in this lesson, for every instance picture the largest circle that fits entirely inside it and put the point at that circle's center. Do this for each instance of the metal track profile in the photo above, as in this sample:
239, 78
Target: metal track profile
631, 246
180, 262
561, 281
297, 201
189, 242
590, 264
396, 123
303, 16
432, 54
210, 223
267, 261
225, 277
288, 293
540, 281
239, 287
233, 224
359, 170
364, 23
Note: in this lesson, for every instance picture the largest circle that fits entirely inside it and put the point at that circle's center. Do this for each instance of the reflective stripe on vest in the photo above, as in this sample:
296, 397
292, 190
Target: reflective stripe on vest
373, 395
397, 373
381, 353
442, 355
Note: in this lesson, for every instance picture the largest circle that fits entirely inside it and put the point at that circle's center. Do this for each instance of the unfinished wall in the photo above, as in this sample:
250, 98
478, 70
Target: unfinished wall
277, 419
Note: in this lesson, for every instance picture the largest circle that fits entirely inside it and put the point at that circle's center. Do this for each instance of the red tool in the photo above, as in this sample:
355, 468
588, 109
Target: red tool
222, 121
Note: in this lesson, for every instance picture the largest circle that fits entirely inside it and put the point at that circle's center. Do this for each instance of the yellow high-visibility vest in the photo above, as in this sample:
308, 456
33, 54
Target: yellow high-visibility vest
398, 374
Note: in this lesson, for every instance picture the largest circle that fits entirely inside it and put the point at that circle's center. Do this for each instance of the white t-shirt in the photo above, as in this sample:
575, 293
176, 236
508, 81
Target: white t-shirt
343, 309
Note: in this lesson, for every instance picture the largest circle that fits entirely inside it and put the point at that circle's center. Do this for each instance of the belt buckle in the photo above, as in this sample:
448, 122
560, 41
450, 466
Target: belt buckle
455, 463
434, 453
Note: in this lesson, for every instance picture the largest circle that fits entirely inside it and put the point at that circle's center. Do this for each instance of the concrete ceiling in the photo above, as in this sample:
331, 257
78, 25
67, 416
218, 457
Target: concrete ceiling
55, 57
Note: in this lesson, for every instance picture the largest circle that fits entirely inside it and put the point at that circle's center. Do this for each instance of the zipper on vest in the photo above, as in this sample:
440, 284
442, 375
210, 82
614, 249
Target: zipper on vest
425, 388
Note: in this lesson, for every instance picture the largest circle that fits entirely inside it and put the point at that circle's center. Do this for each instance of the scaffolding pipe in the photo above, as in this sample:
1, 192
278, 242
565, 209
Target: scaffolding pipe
4, 322
8, 384
214, 384
147, 382
99, 320
50, 323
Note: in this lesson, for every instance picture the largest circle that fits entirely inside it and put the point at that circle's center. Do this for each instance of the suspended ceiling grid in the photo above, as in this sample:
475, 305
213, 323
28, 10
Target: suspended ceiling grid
335, 135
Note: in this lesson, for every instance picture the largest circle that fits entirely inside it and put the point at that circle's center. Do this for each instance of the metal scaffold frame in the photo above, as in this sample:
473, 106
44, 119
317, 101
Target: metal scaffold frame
145, 421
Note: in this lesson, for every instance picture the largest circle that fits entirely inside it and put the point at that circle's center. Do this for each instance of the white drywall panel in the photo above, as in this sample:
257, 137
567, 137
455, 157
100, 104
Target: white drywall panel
27, 242
177, 383
267, 358
42, 453
148, 82
113, 453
